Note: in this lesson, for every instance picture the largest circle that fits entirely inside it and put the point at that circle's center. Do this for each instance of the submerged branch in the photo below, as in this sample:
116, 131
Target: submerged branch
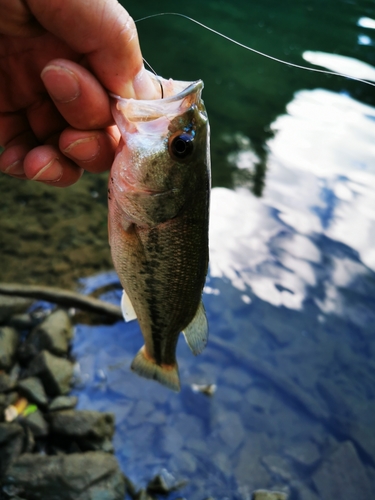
62, 297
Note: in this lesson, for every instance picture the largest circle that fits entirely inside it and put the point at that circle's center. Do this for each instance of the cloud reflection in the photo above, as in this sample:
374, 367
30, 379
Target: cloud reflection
341, 64
320, 182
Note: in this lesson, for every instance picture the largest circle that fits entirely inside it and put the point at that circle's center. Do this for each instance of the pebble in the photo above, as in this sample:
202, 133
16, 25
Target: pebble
63, 403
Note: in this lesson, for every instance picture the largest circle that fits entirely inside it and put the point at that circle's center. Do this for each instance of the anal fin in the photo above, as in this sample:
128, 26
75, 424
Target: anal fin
146, 367
196, 333
127, 308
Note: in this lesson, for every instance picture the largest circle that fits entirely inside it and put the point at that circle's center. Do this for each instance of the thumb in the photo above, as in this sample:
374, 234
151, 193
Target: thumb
104, 32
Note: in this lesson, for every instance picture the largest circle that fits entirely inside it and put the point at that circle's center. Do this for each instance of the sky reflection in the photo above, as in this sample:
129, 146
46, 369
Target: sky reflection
320, 182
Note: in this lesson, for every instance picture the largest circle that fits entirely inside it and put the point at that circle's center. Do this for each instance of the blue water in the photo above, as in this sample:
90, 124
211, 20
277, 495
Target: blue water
290, 295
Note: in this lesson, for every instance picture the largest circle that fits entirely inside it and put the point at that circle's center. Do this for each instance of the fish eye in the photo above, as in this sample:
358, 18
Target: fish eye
181, 146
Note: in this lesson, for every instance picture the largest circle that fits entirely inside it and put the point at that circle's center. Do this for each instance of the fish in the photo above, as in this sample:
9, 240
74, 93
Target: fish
158, 199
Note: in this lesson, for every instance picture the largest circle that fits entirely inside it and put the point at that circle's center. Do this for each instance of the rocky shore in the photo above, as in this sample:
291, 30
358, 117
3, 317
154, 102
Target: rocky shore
49, 449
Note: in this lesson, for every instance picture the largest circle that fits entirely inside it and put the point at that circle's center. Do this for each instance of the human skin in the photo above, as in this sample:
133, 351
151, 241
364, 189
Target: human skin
58, 61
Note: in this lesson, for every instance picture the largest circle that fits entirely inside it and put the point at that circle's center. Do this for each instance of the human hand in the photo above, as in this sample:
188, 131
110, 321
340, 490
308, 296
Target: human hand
58, 60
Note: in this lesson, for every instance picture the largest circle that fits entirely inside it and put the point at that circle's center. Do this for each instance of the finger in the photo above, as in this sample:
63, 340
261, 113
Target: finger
77, 95
11, 161
92, 150
44, 119
47, 164
106, 34
17, 20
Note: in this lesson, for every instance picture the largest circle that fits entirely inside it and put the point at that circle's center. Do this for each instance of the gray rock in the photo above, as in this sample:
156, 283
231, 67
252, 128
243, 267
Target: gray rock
12, 305
305, 454
63, 403
342, 475
6, 382
53, 334
11, 444
78, 476
278, 466
55, 373
164, 483
32, 388
91, 429
22, 321
35, 421
269, 495
9, 339
143, 495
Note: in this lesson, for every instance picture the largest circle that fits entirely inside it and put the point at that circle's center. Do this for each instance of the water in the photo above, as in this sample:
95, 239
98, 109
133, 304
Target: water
290, 295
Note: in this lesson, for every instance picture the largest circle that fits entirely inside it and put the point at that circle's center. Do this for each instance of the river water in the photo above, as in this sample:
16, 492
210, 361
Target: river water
290, 295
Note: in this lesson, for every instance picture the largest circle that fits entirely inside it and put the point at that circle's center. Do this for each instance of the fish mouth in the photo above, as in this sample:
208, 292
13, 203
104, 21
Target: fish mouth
179, 96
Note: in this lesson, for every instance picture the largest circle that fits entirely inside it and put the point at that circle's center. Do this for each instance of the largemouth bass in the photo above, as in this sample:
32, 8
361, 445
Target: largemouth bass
158, 194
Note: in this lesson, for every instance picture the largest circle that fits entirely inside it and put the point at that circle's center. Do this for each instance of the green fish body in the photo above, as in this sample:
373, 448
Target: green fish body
158, 197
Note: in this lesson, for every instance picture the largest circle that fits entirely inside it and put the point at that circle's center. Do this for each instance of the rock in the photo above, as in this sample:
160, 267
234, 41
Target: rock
305, 454
22, 321
9, 339
143, 495
12, 305
35, 421
78, 476
269, 495
11, 444
164, 483
63, 403
32, 388
53, 335
55, 373
278, 466
91, 429
342, 475
6, 382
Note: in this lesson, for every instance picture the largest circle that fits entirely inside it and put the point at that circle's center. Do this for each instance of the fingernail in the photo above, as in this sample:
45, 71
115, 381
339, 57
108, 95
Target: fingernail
83, 149
62, 84
15, 168
144, 87
53, 172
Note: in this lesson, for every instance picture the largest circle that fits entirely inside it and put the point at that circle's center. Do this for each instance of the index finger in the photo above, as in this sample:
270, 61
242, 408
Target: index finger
105, 33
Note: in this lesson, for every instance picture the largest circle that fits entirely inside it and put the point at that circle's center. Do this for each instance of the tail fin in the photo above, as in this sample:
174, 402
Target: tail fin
165, 374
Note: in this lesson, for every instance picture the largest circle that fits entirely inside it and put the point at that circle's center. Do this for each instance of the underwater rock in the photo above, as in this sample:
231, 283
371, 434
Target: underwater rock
278, 466
11, 444
32, 388
269, 495
9, 339
143, 495
53, 334
91, 429
305, 454
12, 305
78, 476
63, 403
56, 373
342, 475
164, 483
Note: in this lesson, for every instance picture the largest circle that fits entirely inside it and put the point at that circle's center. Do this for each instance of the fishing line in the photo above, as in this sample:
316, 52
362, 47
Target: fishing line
156, 75
326, 72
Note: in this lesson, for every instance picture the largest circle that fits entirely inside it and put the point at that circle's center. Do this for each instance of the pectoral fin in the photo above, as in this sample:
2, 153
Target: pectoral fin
127, 308
146, 367
196, 333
